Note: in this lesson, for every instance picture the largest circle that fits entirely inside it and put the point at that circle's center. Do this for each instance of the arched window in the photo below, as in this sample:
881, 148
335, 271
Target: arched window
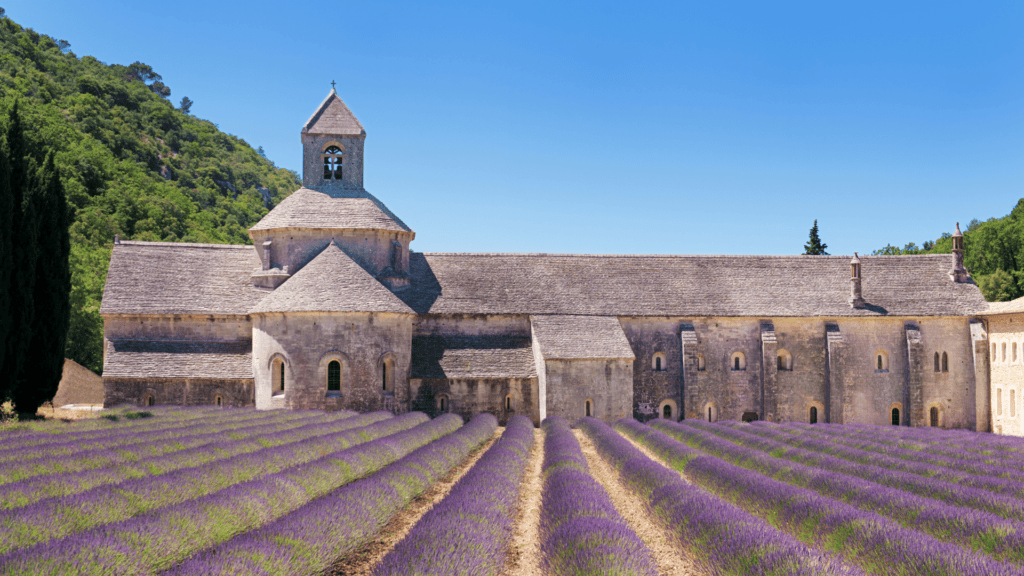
738, 361
443, 404
937, 369
334, 159
933, 416
993, 352
150, 400
588, 408
895, 416
659, 362
711, 411
813, 416
945, 362
784, 360
881, 361
334, 376
667, 409
387, 375
1004, 351
508, 403
999, 401
1014, 348
277, 377
217, 400
701, 365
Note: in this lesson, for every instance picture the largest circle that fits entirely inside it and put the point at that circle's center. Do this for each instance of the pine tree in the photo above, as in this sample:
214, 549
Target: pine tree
815, 247
44, 363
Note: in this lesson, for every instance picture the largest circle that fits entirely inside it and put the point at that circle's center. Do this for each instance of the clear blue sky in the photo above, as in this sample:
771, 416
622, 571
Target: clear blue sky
628, 127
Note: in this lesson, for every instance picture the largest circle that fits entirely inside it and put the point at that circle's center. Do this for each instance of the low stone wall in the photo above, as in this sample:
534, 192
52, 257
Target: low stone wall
179, 391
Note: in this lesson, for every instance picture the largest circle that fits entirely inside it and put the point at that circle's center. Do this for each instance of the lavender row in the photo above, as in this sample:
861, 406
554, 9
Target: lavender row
131, 447
976, 529
1000, 464
928, 481
162, 538
878, 544
983, 443
312, 538
34, 489
59, 427
130, 436
966, 470
102, 426
470, 530
581, 532
57, 517
725, 539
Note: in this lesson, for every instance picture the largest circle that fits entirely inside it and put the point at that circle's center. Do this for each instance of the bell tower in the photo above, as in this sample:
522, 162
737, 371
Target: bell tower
332, 147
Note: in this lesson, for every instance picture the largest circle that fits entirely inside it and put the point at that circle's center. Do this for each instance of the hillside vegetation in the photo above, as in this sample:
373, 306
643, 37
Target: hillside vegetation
993, 253
131, 162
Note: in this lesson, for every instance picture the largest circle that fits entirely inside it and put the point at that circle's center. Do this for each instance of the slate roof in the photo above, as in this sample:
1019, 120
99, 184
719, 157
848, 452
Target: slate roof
331, 207
333, 117
177, 359
580, 337
180, 278
695, 286
1011, 307
465, 357
331, 282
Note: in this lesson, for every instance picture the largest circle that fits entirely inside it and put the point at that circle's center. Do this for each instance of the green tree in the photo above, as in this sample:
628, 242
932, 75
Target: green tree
44, 362
815, 247
185, 105
6, 259
998, 286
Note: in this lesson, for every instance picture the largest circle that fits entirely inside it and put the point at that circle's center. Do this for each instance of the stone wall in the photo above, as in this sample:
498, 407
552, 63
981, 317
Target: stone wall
177, 327
651, 387
1007, 373
607, 384
295, 247
179, 391
78, 385
307, 342
313, 147
467, 397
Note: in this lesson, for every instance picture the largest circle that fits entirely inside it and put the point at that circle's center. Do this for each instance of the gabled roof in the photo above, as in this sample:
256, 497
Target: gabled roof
180, 278
177, 359
331, 208
580, 337
467, 357
694, 286
333, 117
331, 282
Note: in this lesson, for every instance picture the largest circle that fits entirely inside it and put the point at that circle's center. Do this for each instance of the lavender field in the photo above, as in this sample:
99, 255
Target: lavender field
197, 491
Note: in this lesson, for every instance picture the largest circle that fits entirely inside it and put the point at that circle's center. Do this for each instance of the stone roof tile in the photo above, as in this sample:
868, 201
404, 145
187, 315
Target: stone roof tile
180, 278
765, 286
333, 117
177, 359
580, 337
468, 357
331, 282
330, 207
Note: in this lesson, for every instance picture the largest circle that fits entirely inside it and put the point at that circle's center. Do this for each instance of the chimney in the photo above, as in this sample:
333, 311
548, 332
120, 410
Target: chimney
856, 300
117, 238
958, 273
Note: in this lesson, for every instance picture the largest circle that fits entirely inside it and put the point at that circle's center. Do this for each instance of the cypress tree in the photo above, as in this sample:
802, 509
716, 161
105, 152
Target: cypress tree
814, 246
44, 360
23, 251
6, 261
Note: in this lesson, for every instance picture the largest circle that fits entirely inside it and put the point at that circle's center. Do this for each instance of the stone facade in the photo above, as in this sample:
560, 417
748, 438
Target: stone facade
331, 279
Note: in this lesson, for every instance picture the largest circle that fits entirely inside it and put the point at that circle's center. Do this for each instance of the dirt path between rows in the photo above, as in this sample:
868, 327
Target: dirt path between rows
671, 559
524, 553
362, 561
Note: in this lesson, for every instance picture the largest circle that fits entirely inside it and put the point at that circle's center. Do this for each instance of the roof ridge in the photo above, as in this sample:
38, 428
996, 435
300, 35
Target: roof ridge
737, 256
181, 244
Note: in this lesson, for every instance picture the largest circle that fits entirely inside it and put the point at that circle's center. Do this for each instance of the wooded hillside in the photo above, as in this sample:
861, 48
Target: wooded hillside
131, 162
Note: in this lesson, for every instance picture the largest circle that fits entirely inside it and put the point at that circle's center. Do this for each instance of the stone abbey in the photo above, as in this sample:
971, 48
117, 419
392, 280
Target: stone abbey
330, 309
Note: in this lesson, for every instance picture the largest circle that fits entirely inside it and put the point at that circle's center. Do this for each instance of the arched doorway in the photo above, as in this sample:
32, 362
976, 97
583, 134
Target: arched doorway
933, 416
895, 416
